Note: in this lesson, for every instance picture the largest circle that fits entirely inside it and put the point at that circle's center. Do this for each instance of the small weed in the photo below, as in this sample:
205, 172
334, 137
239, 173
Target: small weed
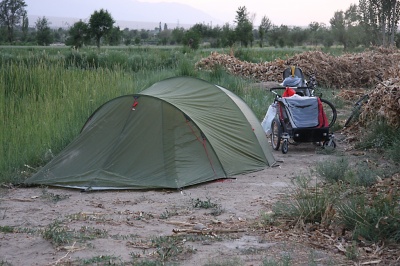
228, 262
168, 247
352, 251
216, 209
52, 197
267, 219
57, 234
167, 214
5, 263
86, 216
89, 233
326, 150
124, 237
6, 229
136, 262
102, 260
252, 251
285, 260
203, 204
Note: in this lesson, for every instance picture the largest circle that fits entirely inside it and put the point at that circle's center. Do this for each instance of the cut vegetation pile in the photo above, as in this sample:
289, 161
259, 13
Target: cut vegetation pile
384, 101
377, 67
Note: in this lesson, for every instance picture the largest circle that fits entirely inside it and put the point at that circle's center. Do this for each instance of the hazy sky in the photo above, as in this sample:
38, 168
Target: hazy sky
287, 12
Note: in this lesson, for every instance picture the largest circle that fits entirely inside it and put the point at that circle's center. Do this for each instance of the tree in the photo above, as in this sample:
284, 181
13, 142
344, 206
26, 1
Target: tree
78, 34
178, 34
338, 28
100, 24
192, 39
263, 29
313, 28
11, 12
381, 16
244, 28
24, 26
228, 36
115, 36
165, 36
43, 32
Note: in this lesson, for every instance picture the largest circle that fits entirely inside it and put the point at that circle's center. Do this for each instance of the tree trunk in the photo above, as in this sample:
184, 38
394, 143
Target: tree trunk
394, 26
383, 29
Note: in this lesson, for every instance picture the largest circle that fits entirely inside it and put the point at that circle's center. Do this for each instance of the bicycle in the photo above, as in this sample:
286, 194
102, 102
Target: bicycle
356, 109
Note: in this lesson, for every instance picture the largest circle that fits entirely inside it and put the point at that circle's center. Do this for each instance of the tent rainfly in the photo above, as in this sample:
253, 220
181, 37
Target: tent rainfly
179, 132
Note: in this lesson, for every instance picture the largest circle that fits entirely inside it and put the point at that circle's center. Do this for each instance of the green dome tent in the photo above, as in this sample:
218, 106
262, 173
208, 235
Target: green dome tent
179, 132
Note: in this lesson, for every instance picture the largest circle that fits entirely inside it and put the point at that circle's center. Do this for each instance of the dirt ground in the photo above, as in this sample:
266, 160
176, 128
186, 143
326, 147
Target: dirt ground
53, 226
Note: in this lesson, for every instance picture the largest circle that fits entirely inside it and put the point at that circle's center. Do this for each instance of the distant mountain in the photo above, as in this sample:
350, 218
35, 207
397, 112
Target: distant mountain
62, 13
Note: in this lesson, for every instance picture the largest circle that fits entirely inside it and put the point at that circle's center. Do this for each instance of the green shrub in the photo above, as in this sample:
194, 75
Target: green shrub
333, 171
305, 204
394, 149
374, 219
379, 135
383, 137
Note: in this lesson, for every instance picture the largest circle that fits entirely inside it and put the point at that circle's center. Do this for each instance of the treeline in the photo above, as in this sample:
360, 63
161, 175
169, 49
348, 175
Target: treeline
370, 23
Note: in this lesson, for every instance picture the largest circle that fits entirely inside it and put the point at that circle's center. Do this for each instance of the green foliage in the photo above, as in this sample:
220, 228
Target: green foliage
57, 234
102, 260
305, 204
216, 209
11, 12
374, 220
186, 68
167, 214
43, 32
79, 34
285, 260
383, 137
394, 150
359, 174
244, 27
333, 171
235, 261
169, 247
52, 197
203, 204
45, 106
6, 229
192, 39
352, 251
100, 24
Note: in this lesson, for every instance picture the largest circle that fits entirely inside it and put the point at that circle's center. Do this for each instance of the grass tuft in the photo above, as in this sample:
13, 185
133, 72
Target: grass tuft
332, 171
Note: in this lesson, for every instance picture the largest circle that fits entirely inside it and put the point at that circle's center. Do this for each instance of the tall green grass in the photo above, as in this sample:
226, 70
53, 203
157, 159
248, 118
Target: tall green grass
45, 102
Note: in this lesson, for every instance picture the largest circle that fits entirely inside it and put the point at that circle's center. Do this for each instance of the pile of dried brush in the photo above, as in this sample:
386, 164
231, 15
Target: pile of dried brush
268, 71
347, 71
384, 101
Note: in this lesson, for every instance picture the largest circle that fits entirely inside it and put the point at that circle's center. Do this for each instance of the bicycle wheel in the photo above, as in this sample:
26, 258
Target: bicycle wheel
276, 134
356, 109
330, 111
347, 123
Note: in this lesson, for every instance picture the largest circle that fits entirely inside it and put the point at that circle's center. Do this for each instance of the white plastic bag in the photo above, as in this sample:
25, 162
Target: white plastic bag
269, 116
